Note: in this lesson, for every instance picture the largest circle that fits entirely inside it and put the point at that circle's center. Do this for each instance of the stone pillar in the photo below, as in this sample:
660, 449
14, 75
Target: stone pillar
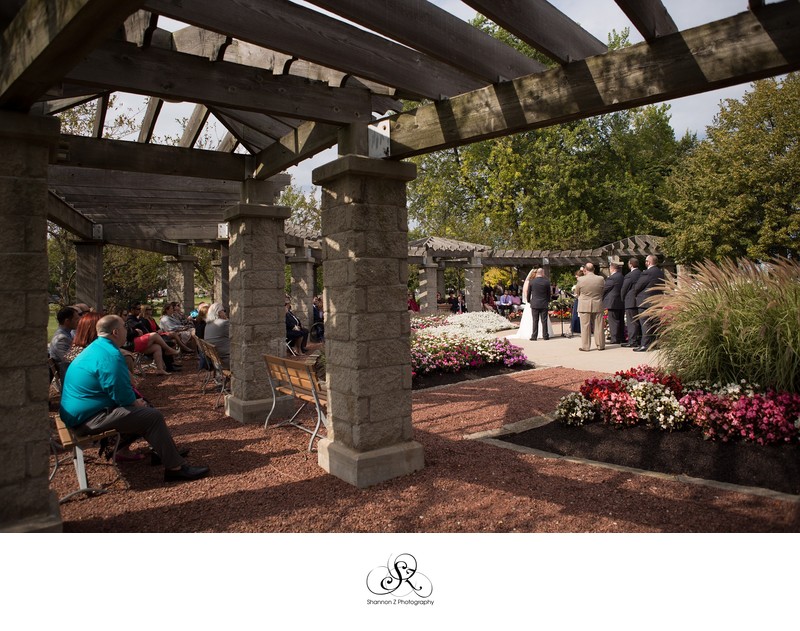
180, 280
428, 286
473, 280
440, 280
89, 273
216, 288
302, 266
257, 313
26, 502
365, 241
224, 291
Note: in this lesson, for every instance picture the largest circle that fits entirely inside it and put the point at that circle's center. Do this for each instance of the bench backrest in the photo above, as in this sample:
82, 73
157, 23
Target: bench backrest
211, 353
295, 378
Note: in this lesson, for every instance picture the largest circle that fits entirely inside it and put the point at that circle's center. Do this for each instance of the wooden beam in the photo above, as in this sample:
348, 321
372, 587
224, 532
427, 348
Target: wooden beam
44, 108
184, 231
251, 139
100, 116
304, 142
540, 24
130, 156
109, 182
180, 77
154, 105
310, 35
735, 50
139, 28
228, 143
267, 125
194, 126
425, 27
64, 215
150, 245
650, 17
47, 38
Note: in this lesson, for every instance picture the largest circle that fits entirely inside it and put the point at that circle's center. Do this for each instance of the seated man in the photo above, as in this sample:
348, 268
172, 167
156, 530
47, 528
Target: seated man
68, 318
505, 303
319, 317
98, 396
295, 333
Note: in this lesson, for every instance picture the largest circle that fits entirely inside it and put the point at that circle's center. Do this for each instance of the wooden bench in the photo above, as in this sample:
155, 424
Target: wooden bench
71, 441
296, 378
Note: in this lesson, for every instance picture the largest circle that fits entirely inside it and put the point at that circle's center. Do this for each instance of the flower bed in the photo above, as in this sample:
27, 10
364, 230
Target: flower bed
647, 396
460, 342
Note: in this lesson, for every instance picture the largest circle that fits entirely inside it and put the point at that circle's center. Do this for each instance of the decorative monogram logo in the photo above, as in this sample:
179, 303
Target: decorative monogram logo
399, 578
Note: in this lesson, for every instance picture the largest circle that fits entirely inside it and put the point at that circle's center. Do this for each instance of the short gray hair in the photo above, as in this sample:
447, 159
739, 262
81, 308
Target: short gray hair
213, 311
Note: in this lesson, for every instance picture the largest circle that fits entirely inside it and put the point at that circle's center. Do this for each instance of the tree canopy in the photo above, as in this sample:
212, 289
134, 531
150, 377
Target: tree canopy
738, 192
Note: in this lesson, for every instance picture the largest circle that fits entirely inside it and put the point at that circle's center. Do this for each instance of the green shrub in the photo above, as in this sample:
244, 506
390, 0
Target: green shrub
732, 321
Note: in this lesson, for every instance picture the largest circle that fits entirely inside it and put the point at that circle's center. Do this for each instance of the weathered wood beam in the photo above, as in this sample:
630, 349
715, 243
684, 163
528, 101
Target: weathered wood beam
64, 215
228, 143
100, 116
194, 126
44, 108
146, 158
267, 125
540, 24
305, 141
177, 76
650, 17
425, 27
136, 231
310, 35
46, 39
139, 28
735, 50
252, 139
154, 105
109, 181
150, 245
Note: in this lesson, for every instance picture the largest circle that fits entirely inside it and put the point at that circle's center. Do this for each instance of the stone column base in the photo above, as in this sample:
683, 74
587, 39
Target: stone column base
367, 468
256, 411
49, 522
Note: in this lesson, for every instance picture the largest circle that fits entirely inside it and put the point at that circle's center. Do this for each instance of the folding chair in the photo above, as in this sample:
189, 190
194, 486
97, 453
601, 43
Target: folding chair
142, 361
222, 374
55, 378
70, 441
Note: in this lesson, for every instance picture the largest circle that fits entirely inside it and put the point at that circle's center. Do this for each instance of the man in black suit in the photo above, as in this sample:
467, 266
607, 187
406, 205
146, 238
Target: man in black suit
295, 333
612, 301
629, 299
649, 284
539, 299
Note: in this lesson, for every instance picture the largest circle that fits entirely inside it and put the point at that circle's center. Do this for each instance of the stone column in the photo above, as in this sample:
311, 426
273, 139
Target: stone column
440, 280
365, 241
257, 313
26, 502
180, 280
224, 268
428, 286
473, 280
216, 288
89, 273
302, 266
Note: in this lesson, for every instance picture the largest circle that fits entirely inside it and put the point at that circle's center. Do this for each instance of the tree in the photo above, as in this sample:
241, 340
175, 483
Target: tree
738, 193
306, 212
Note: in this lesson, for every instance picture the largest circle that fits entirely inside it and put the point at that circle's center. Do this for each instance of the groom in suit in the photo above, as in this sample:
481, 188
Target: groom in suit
539, 299
589, 291
649, 284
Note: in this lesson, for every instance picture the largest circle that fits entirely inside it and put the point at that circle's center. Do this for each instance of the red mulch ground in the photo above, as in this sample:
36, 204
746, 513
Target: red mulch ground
266, 481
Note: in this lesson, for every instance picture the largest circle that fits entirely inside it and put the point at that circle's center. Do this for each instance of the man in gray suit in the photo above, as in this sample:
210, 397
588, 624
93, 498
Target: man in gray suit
589, 291
539, 299
612, 300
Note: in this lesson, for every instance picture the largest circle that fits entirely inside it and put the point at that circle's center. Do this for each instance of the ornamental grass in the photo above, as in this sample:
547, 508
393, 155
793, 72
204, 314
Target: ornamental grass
733, 321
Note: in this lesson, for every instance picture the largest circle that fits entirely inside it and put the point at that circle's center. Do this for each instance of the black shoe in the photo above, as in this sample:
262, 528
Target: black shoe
155, 459
533, 339
186, 473
173, 368
640, 349
547, 338
624, 345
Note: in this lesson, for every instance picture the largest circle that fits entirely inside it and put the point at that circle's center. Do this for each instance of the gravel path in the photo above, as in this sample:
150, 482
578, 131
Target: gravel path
268, 482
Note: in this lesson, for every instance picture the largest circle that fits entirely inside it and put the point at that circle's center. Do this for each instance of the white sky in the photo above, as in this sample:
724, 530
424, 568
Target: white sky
599, 17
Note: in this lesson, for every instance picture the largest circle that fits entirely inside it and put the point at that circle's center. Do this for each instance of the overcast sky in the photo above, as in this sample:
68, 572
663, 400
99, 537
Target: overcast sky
599, 17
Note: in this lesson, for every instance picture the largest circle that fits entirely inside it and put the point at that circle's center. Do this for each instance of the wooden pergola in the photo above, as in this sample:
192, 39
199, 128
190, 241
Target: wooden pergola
288, 81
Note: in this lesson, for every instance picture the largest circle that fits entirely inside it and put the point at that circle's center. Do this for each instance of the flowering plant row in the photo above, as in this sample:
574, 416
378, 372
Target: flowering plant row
448, 352
725, 412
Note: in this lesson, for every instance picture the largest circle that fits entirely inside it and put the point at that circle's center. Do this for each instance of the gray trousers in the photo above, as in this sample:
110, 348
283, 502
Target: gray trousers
146, 422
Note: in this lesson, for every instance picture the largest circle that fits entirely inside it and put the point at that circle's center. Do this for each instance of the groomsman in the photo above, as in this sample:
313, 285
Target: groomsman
629, 299
612, 301
539, 299
649, 284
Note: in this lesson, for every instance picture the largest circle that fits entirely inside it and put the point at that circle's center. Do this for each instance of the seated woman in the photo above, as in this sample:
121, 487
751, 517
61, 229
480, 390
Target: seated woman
148, 343
488, 301
295, 333
413, 305
177, 330
218, 331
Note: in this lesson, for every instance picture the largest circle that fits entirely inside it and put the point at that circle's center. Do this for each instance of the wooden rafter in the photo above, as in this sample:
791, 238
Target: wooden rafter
154, 105
194, 126
440, 34
176, 76
735, 50
540, 24
100, 116
46, 39
305, 141
650, 17
312, 36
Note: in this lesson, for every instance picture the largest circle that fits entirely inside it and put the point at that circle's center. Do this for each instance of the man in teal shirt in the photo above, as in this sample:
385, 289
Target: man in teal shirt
97, 396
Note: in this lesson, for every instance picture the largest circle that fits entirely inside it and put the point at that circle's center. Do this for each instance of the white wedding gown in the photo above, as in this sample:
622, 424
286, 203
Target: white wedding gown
525, 330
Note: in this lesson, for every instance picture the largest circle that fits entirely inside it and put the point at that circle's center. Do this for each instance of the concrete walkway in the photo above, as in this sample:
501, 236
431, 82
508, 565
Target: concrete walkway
563, 351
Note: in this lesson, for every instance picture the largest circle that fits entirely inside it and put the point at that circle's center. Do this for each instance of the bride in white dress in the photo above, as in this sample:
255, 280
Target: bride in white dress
525, 330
